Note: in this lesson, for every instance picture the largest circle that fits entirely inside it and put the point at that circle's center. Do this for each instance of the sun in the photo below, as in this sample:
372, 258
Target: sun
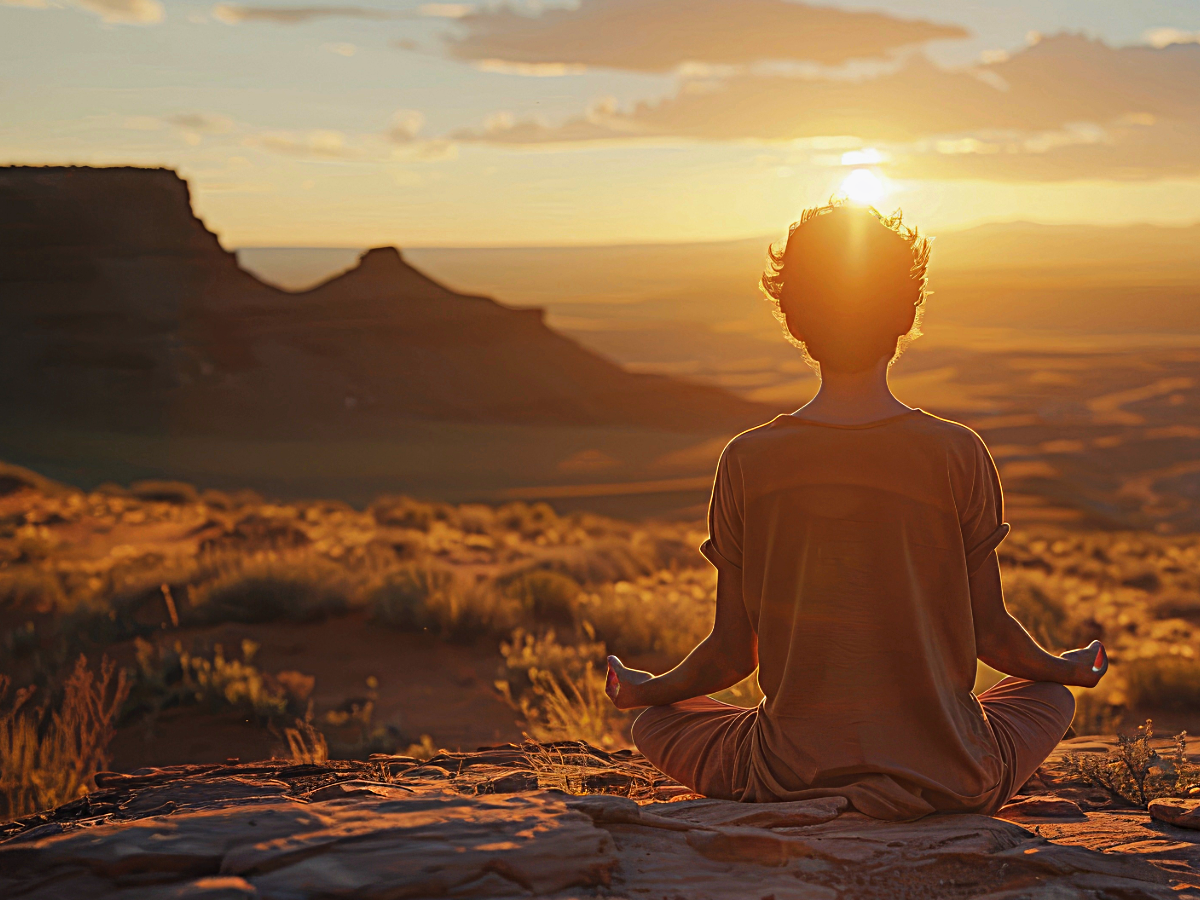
864, 187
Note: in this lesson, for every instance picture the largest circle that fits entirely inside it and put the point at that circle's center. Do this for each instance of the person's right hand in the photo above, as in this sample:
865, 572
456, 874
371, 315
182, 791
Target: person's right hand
1089, 664
621, 684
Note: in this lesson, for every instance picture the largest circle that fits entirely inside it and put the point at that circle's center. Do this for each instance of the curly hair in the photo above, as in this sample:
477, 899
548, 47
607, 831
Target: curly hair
844, 284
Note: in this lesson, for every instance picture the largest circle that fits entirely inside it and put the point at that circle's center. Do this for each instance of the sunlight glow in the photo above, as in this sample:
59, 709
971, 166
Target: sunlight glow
868, 156
864, 187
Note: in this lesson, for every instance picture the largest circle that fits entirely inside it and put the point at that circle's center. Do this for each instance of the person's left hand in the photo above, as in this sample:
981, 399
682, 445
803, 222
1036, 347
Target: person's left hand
621, 684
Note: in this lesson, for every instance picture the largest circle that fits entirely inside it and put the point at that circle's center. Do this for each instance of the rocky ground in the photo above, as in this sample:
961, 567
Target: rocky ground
568, 820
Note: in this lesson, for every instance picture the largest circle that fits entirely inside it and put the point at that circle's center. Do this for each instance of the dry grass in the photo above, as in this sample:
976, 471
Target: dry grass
558, 591
1138, 773
51, 756
306, 745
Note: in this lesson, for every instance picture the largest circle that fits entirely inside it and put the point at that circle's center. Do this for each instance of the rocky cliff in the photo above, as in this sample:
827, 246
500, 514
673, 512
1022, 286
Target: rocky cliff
122, 311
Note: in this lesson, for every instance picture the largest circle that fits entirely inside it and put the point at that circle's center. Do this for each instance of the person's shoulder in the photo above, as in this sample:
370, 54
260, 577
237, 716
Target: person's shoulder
947, 429
961, 440
752, 438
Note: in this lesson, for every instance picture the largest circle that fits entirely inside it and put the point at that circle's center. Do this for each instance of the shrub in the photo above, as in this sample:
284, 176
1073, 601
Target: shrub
306, 745
1165, 682
418, 596
1138, 773
405, 512
171, 677
544, 596
573, 708
1043, 617
1178, 606
272, 593
51, 756
667, 613
29, 590
177, 492
526, 655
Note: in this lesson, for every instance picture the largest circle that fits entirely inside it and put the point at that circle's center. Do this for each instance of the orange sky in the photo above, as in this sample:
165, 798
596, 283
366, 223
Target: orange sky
607, 121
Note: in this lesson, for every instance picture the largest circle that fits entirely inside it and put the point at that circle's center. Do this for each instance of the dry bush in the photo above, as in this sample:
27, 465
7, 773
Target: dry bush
29, 590
424, 597
544, 597
1165, 682
573, 708
405, 512
273, 591
51, 756
174, 676
1178, 606
559, 689
668, 612
1137, 772
306, 745
1032, 599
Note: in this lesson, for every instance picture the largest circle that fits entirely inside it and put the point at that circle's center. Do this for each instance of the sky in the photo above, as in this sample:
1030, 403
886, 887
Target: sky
613, 121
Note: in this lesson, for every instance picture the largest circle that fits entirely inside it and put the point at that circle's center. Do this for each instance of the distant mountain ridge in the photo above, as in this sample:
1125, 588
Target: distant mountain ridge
121, 310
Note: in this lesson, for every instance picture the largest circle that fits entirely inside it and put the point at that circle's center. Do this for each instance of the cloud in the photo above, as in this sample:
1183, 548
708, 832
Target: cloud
319, 144
406, 124
113, 12
203, 123
660, 35
446, 10
1165, 37
1063, 107
232, 14
126, 12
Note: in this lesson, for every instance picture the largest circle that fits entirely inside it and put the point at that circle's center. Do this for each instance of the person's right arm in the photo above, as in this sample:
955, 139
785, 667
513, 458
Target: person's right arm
1003, 643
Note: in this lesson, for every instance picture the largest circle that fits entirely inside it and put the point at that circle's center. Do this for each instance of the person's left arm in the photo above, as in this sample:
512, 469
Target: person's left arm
721, 660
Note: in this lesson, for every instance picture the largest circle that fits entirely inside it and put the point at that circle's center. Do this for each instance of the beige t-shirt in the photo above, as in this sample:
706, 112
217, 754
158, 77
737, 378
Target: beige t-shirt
854, 545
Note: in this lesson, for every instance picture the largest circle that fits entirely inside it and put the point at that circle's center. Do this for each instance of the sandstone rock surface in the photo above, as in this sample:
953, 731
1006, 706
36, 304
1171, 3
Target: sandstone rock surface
514, 821
1183, 813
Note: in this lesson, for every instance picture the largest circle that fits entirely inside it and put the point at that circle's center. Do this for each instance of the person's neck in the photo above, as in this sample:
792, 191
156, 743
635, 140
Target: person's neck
853, 398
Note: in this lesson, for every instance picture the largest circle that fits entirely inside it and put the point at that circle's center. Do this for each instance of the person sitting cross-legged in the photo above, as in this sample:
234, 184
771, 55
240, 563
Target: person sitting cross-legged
855, 547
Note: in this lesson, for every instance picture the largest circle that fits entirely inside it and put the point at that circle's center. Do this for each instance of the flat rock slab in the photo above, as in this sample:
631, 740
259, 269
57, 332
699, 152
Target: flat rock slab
1181, 813
515, 821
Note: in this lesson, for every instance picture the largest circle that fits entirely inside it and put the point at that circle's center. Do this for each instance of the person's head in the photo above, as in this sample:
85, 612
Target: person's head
848, 286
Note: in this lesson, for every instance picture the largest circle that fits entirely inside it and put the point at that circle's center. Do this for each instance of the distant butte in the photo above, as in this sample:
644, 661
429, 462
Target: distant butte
122, 312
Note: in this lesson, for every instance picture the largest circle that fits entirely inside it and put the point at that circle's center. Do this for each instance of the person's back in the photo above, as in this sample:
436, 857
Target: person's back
854, 542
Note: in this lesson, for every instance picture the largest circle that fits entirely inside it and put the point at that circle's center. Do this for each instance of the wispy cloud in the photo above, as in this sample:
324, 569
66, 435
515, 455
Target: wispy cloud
316, 144
1063, 107
113, 12
233, 14
660, 35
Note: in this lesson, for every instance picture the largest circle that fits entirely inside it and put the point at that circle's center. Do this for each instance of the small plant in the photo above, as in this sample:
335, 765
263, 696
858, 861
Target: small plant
1139, 773
51, 756
356, 720
306, 745
422, 597
545, 597
577, 709
177, 677
424, 749
272, 594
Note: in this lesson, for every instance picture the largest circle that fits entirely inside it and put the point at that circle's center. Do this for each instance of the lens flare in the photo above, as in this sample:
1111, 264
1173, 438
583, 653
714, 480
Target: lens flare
864, 187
